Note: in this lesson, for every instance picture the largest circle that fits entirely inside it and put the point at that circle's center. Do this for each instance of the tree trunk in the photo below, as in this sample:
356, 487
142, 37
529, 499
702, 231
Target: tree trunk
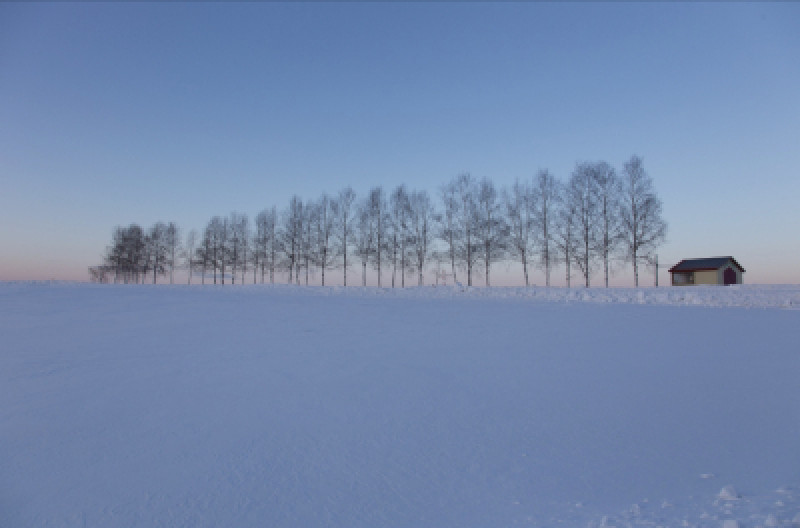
586, 261
569, 275
656, 266
272, 269
453, 261
380, 245
486, 250
394, 260
525, 268
546, 252
403, 266
469, 261
344, 251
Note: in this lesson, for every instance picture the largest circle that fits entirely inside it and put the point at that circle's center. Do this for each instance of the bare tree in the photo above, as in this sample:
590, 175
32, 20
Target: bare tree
236, 248
399, 235
265, 244
172, 242
467, 192
189, 250
324, 252
292, 234
310, 219
491, 229
421, 222
215, 244
127, 257
607, 187
115, 254
257, 250
274, 243
448, 223
547, 195
343, 214
364, 237
519, 203
643, 229
157, 249
204, 253
139, 253
147, 252
582, 197
224, 254
565, 239
379, 223
243, 229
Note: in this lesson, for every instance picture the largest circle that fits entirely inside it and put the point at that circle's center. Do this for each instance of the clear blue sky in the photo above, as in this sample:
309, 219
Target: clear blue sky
120, 113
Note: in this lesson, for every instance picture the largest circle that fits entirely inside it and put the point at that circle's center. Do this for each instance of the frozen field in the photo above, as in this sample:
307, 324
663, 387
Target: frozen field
255, 406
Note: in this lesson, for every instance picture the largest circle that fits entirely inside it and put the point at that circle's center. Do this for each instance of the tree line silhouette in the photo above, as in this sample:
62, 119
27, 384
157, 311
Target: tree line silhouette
598, 216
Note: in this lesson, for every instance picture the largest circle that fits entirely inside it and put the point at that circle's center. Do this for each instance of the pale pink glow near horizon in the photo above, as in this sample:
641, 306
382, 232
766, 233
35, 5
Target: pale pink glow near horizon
500, 276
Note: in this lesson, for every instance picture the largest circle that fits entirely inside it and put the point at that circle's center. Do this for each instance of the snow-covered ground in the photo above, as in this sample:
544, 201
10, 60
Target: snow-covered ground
429, 407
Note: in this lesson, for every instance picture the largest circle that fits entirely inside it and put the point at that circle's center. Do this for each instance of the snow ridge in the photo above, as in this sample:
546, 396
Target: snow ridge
744, 296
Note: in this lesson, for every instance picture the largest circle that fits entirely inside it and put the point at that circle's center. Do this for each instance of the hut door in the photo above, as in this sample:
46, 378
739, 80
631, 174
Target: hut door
729, 276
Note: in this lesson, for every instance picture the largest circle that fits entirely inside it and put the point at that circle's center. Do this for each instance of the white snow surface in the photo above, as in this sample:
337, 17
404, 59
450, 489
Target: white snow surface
283, 406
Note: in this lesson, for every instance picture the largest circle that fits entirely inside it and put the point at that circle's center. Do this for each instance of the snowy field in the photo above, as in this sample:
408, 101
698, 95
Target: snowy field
257, 406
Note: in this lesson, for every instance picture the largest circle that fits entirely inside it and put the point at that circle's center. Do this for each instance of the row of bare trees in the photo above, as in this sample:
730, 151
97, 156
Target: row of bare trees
596, 218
